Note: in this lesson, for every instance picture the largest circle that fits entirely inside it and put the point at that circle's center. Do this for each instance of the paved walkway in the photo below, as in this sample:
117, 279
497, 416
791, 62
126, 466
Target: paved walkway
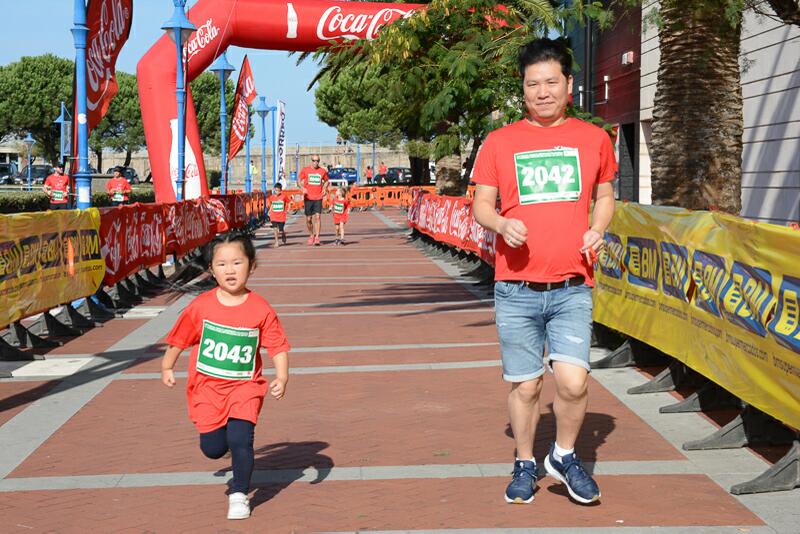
394, 421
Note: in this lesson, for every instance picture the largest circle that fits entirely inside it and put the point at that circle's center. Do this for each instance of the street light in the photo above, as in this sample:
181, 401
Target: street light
62, 122
83, 178
248, 184
179, 28
262, 109
29, 142
223, 69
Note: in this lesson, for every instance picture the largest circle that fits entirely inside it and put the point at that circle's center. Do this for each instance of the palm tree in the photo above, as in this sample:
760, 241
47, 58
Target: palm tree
697, 118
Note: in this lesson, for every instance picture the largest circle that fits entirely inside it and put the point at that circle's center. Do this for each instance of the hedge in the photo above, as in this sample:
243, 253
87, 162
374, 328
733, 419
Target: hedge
38, 201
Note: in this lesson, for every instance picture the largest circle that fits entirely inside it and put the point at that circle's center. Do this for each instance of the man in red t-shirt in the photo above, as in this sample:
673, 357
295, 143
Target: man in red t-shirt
56, 187
118, 188
546, 169
278, 204
313, 181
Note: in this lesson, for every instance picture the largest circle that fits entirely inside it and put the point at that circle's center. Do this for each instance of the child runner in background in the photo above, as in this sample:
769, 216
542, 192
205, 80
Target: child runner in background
341, 209
226, 327
278, 202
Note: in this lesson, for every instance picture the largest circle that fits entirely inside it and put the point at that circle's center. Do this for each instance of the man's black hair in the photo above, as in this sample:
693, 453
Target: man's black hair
119, 169
278, 185
541, 50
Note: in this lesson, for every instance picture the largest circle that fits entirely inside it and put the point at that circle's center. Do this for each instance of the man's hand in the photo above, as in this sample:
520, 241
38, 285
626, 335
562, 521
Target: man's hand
514, 232
592, 243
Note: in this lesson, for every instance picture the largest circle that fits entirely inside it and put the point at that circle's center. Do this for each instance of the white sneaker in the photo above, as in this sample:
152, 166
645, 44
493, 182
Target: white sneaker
238, 506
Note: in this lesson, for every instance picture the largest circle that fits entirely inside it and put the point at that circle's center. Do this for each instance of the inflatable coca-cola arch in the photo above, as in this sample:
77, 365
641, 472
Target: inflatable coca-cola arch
300, 25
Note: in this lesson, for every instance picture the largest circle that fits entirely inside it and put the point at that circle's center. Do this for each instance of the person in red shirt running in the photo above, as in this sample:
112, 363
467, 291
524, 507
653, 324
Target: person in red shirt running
341, 210
226, 327
368, 174
313, 181
547, 168
278, 202
118, 188
56, 187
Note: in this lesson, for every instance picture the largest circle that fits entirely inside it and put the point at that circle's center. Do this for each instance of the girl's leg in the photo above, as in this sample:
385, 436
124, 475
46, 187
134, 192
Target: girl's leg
214, 444
240, 440
275, 232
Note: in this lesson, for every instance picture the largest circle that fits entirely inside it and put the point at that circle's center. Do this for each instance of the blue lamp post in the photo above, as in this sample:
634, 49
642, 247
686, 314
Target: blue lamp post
29, 142
179, 28
262, 109
248, 184
83, 178
62, 122
223, 69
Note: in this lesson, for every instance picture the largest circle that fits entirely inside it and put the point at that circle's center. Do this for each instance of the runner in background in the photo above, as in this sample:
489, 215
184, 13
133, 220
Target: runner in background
278, 202
313, 181
226, 327
56, 187
341, 210
118, 188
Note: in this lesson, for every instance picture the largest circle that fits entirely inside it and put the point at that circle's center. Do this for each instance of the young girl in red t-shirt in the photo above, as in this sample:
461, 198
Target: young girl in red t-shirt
225, 389
278, 204
341, 209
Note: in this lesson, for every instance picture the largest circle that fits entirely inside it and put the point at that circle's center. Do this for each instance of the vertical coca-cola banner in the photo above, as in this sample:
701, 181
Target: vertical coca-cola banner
240, 123
109, 23
261, 24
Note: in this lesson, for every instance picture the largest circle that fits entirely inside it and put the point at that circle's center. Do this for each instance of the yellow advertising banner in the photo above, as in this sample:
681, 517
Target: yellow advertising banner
717, 292
46, 259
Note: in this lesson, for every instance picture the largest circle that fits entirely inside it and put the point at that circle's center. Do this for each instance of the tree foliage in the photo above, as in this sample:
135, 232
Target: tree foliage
205, 94
121, 129
31, 92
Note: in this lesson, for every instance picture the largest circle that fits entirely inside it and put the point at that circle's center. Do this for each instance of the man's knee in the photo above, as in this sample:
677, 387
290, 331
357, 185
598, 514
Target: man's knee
529, 390
573, 388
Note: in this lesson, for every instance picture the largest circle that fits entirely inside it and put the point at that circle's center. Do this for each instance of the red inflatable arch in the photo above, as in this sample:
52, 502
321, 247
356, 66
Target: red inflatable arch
300, 25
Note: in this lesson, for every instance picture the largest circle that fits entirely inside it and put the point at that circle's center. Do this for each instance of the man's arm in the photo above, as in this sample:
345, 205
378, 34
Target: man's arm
601, 216
513, 231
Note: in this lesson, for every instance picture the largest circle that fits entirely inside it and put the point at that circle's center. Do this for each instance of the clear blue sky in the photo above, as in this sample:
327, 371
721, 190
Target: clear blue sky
34, 27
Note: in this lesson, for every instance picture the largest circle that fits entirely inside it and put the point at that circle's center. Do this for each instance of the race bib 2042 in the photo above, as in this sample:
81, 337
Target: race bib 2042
314, 179
277, 206
552, 175
227, 352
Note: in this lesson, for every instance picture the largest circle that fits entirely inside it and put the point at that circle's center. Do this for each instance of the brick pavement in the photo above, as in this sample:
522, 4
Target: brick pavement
398, 448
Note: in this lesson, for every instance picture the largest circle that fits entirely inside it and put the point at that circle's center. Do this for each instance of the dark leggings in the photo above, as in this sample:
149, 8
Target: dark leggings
237, 436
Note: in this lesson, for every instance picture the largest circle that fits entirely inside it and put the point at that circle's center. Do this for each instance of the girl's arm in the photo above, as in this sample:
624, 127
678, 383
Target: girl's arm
167, 363
278, 386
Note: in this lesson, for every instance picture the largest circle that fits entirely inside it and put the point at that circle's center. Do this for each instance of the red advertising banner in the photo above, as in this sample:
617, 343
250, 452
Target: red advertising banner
450, 220
132, 237
188, 226
109, 23
240, 123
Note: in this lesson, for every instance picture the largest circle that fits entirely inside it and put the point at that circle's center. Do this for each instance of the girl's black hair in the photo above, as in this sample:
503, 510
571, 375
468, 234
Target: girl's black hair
230, 237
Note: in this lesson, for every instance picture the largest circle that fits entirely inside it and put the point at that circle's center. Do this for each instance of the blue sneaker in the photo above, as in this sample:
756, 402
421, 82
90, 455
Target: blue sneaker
523, 482
569, 470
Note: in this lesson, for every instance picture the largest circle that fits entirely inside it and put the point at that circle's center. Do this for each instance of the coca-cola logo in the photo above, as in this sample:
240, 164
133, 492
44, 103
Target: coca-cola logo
334, 24
152, 244
239, 123
103, 47
132, 243
111, 247
204, 35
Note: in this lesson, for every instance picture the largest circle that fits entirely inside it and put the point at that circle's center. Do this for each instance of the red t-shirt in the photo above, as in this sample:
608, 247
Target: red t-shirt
340, 210
117, 189
59, 188
219, 331
545, 177
313, 180
382, 169
278, 204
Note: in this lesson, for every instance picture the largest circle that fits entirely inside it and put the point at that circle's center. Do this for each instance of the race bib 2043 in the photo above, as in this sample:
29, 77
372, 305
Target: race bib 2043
277, 206
314, 179
552, 175
227, 352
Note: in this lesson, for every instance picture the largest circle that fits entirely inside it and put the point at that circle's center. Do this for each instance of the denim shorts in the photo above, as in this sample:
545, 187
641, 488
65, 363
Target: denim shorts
527, 320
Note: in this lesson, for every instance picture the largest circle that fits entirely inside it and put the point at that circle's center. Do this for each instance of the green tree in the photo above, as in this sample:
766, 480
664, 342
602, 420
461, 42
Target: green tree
31, 92
446, 69
121, 129
205, 94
